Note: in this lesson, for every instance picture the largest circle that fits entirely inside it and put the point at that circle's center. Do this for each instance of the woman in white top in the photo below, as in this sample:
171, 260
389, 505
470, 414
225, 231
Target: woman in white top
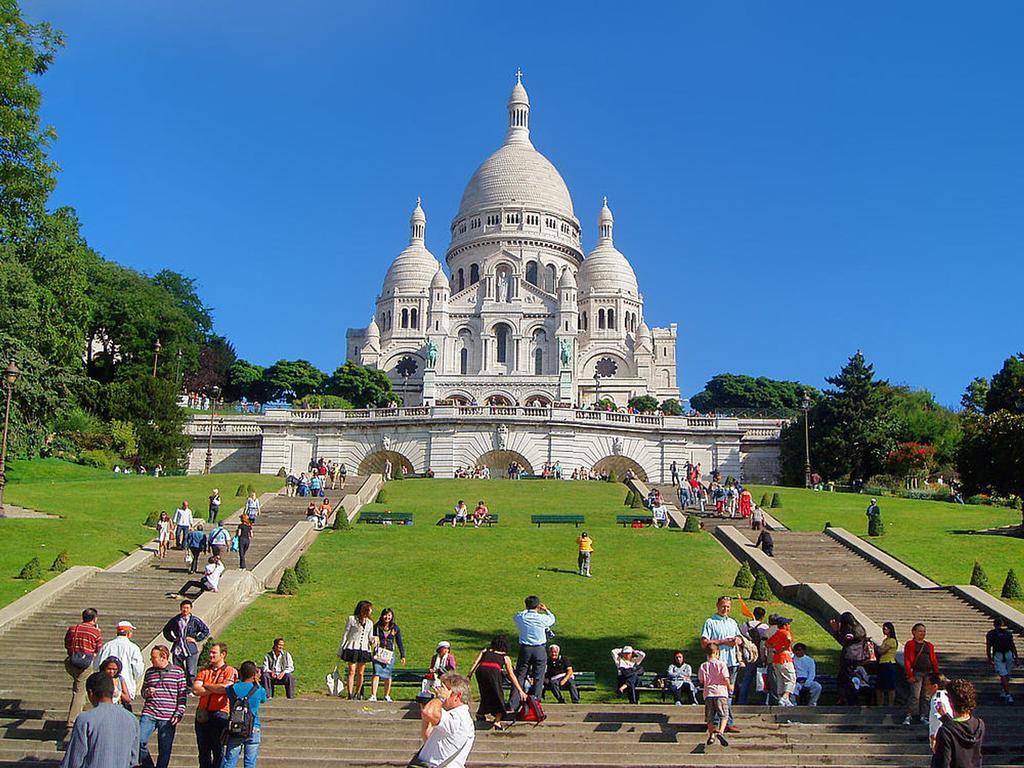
357, 646
122, 695
252, 507
627, 664
163, 535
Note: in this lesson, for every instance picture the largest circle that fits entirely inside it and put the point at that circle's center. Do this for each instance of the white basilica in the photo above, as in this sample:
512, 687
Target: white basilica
521, 317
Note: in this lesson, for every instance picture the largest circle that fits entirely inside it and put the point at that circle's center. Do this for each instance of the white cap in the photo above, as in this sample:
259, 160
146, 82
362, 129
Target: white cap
125, 625
627, 649
444, 644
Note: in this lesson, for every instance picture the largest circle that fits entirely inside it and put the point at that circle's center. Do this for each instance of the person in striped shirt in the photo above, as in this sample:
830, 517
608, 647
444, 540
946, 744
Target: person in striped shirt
165, 694
82, 642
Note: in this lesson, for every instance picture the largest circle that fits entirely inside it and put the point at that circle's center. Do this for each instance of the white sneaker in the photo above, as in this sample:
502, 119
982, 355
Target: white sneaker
372, 698
387, 698
907, 720
1009, 698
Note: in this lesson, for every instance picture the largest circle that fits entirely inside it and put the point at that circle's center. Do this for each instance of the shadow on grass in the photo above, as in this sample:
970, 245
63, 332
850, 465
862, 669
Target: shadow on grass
560, 570
1007, 530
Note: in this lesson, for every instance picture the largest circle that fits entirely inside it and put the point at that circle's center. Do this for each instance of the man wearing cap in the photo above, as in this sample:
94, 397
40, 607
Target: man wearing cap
721, 629
130, 655
533, 624
586, 547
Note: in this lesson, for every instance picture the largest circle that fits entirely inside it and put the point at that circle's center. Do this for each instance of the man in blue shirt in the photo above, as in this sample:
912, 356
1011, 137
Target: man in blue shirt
249, 685
722, 629
533, 624
107, 736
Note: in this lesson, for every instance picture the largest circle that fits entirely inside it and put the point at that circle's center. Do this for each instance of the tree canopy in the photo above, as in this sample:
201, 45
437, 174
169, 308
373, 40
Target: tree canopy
729, 391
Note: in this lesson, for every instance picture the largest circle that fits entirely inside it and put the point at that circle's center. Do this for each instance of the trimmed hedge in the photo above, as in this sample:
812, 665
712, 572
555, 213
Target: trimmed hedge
61, 563
692, 524
302, 570
33, 569
978, 576
744, 577
289, 584
1012, 589
762, 591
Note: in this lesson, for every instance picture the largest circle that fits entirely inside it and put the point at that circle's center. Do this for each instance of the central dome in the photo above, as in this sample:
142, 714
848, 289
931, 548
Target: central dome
517, 174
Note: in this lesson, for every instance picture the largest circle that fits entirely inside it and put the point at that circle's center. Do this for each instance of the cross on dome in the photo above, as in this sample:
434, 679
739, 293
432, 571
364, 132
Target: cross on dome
417, 223
519, 76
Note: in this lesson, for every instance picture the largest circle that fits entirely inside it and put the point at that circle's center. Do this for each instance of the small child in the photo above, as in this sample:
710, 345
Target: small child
935, 685
714, 676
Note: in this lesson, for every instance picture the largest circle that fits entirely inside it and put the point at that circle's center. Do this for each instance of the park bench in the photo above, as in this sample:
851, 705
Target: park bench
386, 518
627, 520
585, 681
489, 520
407, 676
540, 520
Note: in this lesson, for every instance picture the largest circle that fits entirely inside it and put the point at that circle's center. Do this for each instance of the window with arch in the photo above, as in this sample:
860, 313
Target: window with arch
583, 319
501, 343
463, 360
405, 318
474, 274
538, 361
414, 318
460, 280
550, 278
600, 318
531, 272
611, 318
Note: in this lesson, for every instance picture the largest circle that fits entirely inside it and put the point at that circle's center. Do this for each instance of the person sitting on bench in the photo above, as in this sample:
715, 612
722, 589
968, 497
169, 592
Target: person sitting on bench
680, 679
279, 669
560, 675
627, 664
805, 672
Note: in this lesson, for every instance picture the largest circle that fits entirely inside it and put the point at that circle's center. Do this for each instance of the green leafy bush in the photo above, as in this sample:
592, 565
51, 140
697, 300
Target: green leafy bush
32, 570
289, 584
638, 502
341, 521
61, 563
765, 500
875, 526
1012, 589
123, 437
152, 519
978, 576
100, 458
762, 591
744, 577
382, 496
692, 524
240, 491
302, 570
776, 501
643, 403
672, 407
331, 402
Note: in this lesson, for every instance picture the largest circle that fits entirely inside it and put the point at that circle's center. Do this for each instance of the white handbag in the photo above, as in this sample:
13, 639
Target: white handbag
335, 683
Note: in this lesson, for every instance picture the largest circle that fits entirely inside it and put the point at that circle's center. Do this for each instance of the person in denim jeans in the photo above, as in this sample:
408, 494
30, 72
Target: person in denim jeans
248, 686
165, 693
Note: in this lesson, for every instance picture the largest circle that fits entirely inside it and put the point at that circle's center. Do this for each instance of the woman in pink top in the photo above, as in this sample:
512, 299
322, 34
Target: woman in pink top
714, 676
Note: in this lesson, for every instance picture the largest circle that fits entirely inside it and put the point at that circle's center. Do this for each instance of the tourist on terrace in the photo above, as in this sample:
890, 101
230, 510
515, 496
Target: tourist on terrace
252, 507
185, 632
106, 736
806, 670
659, 515
82, 642
214, 510
919, 660
279, 669
679, 678
534, 624
213, 709
721, 629
461, 513
491, 666
673, 468
885, 679
441, 663
684, 495
182, 524
746, 503
245, 536
853, 638
165, 692
959, 741
756, 518
163, 535
387, 638
560, 674
303, 484
628, 661
210, 580
766, 542
356, 644
447, 725
316, 485
1002, 655
873, 512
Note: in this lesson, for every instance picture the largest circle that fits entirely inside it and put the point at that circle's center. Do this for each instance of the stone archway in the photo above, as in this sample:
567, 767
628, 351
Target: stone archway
499, 400
619, 465
498, 461
374, 463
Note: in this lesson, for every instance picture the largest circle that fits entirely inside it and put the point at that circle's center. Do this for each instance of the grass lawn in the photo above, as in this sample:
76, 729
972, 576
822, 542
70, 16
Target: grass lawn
102, 514
934, 537
651, 588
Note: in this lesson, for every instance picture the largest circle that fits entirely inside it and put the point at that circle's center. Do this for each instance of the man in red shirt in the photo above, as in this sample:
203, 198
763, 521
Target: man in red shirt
82, 642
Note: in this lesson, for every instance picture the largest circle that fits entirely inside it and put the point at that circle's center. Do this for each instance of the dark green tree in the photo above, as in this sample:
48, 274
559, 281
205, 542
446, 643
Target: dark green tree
762, 591
978, 576
692, 524
672, 407
289, 379
975, 396
244, 380
363, 387
289, 584
151, 405
744, 577
643, 403
991, 455
1006, 392
922, 420
729, 391
1012, 589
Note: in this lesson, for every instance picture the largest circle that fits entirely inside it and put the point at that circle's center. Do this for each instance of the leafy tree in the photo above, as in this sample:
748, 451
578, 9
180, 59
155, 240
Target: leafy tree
150, 404
244, 380
643, 403
975, 395
991, 456
322, 401
292, 378
183, 292
732, 391
363, 387
1006, 392
924, 421
216, 358
692, 524
672, 407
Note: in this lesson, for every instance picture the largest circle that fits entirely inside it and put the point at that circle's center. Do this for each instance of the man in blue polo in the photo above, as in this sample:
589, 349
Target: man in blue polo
533, 624
722, 629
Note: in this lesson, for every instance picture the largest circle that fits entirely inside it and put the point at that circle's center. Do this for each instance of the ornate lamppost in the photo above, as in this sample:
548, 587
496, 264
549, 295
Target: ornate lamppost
11, 374
805, 403
214, 394
156, 356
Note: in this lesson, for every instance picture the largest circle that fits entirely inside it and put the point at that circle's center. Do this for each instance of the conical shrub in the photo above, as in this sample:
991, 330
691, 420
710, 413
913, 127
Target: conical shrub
978, 576
61, 563
692, 524
744, 577
629, 497
1012, 589
282, 472
302, 570
637, 503
765, 500
776, 501
382, 496
33, 569
762, 591
341, 521
250, 488
289, 584
399, 473
241, 490
612, 477
151, 519
204, 654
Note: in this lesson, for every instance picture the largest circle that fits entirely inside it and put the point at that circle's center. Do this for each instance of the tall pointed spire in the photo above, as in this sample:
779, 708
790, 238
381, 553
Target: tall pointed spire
518, 112
417, 224
605, 222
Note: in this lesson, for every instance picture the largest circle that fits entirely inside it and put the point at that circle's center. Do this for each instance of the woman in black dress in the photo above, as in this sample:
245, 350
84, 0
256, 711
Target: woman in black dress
491, 663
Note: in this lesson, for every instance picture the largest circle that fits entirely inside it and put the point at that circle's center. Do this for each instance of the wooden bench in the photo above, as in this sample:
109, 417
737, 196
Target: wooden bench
540, 520
489, 520
401, 676
627, 520
657, 682
386, 518
585, 681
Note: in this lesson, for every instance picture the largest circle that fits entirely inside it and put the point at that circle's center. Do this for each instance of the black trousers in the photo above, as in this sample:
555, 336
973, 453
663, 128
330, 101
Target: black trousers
208, 739
532, 662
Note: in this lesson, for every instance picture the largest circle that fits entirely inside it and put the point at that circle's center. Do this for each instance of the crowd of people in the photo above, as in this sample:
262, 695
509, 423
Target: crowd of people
321, 476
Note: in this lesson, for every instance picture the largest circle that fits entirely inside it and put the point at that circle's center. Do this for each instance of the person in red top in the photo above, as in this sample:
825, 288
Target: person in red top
82, 642
783, 673
919, 661
211, 686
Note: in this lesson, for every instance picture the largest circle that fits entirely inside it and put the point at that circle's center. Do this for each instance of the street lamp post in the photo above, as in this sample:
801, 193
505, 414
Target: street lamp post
11, 375
156, 356
214, 392
597, 390
805, 403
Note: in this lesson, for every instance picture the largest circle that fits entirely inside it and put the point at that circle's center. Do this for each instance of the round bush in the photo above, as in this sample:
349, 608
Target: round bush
765, 501
762, 591
744, 577
33, 569
151, 519
289, 584
399, 473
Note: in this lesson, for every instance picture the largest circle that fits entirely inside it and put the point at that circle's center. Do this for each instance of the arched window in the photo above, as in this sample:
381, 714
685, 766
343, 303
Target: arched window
551, 275
600, 318
405, 318
584, 316
531, 272
611, 318
474, 273
463, 360
462, 280
414, 321
538, 361
501, 343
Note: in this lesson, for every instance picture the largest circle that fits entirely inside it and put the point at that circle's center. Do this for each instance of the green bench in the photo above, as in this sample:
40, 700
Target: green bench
401, 676
585, 681
489, 520
540, 520
627, 520
385, 518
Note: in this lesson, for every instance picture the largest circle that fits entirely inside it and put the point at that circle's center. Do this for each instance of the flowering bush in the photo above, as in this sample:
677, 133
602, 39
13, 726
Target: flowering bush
910, 459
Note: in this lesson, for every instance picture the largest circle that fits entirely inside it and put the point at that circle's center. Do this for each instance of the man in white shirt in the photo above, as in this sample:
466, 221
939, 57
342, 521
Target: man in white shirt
805, 671
128, 653
182, 524
448, 725
278, 669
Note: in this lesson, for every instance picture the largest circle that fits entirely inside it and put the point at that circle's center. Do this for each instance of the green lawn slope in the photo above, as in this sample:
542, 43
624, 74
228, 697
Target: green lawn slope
101, 514
650, 588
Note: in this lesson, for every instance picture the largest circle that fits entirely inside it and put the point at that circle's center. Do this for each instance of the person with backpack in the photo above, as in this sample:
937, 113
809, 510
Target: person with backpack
959, 741
853, 638
1002, 655
219, 540
196, 543
756, 632
244, 725
82, 642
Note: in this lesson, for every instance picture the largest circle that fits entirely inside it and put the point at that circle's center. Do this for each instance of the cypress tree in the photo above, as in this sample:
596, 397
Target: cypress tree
629, 498
1012, 589
399, 473
978, 576
762, 591
744, 577
240, 491
638, 502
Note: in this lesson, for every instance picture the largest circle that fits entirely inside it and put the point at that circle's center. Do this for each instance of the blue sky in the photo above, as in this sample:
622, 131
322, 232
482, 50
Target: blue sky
791, 181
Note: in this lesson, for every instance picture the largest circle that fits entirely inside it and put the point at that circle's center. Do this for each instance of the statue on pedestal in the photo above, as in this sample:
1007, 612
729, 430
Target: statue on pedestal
565, 351
431, 354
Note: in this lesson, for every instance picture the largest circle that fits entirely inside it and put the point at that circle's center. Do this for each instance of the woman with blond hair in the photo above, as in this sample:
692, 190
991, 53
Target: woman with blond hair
252, 507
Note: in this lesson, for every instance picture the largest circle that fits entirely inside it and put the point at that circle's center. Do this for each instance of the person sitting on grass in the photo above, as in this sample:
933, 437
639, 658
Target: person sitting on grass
628, 662
714, 677
959, 740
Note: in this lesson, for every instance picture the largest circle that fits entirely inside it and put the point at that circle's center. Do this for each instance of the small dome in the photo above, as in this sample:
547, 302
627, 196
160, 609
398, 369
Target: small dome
439, 281
414, 268
606, 270
373, 330
643, 331
567, 280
